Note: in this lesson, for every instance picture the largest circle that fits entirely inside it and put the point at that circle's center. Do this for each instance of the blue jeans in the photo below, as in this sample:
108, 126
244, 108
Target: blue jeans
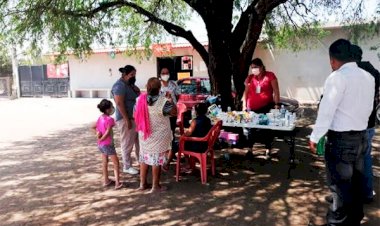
368, 174
345, 168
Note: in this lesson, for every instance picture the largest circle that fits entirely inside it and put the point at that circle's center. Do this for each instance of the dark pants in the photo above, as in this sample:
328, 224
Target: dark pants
345, 166
259, 135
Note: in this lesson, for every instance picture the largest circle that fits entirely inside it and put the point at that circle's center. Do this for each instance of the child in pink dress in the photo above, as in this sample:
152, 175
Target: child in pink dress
104, 133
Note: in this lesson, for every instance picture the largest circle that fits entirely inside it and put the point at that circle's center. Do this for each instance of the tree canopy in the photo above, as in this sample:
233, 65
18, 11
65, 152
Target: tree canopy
233, 27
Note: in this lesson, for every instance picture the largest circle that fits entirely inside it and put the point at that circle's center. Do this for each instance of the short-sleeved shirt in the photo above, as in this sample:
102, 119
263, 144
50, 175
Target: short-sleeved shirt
172, 88
105, 121
255, 99
130, 93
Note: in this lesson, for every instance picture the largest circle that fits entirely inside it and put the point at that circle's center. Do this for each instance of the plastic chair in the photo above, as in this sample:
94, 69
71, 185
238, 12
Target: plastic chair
181, 109
210, 138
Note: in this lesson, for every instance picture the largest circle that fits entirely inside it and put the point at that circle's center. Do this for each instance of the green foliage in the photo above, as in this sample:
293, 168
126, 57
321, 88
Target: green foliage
73, 25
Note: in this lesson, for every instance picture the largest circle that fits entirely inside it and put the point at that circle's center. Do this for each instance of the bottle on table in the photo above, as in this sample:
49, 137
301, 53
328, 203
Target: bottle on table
282, 111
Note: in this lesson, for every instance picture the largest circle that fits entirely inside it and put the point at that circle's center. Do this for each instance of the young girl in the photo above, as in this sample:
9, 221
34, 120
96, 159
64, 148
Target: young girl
152, 118
104, 133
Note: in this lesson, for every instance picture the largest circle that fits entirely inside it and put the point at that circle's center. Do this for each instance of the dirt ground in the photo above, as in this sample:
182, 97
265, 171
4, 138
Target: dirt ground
50, 173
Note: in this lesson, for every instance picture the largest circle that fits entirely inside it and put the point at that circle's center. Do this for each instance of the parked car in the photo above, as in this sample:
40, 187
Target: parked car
194, 90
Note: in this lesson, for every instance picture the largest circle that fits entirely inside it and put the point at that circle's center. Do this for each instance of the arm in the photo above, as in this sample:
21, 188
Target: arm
333, 94
97, 133
276, 92
107, 133
244, 98
191, 129
119, 100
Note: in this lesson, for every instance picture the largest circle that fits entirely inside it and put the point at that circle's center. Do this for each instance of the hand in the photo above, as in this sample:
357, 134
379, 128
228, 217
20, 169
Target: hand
276, 106
98, 134
313, 147
128, 122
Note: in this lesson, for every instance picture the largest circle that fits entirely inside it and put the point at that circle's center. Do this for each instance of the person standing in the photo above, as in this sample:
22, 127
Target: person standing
343, 115
368, 174
152, 115
125, 92
169, 89
261, 94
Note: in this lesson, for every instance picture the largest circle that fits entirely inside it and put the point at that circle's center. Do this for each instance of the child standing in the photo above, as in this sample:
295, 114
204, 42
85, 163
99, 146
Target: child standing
104, 133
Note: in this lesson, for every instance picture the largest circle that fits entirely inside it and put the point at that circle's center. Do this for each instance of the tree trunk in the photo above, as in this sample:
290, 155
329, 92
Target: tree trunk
15, 91
220, 71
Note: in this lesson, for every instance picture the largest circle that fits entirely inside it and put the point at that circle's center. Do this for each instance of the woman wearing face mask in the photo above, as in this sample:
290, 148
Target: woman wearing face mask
169, 89
125, 92
261, 95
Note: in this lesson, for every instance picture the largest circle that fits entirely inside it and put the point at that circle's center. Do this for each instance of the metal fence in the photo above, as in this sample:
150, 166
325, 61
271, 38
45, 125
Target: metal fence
34, 83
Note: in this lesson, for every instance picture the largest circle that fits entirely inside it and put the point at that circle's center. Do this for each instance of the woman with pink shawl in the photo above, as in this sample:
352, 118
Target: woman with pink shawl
152, 114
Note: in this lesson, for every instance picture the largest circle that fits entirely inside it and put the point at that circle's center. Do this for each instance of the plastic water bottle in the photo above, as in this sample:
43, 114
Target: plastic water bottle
321, 146
193, 113
282, 111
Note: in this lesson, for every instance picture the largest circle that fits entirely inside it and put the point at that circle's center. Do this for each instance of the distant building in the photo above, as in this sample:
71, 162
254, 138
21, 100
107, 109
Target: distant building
301, 74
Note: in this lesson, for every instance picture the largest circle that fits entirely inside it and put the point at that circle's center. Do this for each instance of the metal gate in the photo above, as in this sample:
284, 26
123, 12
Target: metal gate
35, 83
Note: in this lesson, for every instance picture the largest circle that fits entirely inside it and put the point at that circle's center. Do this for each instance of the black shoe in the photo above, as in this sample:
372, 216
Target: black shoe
368, 200
249, 156
329, 199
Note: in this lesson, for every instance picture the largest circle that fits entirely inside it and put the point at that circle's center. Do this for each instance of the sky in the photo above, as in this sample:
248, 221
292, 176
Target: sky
196, 24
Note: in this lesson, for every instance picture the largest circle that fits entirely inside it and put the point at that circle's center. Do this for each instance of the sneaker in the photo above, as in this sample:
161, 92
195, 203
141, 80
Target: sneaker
131, 170
268, 154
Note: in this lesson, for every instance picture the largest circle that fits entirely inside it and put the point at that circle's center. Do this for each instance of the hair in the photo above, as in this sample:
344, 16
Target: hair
201, 108
258, 62
127, 69
104, 105
341, 50
164, 68
153, 86
357, 53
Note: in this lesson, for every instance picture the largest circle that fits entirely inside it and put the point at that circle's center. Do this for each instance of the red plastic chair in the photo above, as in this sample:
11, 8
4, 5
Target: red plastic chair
181, 109
210, 138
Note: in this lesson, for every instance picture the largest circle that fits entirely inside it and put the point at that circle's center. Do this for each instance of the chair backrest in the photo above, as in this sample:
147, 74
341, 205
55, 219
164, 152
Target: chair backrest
214, 134
181, 109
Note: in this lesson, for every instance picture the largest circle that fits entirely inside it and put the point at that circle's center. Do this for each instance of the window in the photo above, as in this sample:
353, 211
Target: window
205, 86
188, 87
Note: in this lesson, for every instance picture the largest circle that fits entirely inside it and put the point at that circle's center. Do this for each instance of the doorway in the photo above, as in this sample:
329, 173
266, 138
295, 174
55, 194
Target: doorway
178, 66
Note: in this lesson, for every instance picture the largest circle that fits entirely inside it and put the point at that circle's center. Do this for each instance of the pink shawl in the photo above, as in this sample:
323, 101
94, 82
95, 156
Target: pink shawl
141, 116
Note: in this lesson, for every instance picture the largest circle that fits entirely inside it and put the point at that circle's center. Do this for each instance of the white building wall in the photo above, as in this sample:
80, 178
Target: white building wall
301, 74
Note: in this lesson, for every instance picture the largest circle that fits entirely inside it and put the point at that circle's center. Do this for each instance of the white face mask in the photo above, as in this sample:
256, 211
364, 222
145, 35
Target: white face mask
165, 77
255, 71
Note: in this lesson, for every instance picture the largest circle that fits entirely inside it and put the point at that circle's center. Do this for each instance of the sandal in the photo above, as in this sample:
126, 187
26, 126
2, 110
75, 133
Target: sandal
145, 187
119, 186
158, 190
108, 184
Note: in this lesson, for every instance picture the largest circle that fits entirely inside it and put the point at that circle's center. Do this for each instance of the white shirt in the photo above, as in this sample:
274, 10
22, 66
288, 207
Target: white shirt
347, 101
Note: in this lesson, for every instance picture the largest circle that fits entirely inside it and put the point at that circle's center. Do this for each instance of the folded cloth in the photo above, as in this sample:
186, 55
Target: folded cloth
141, 116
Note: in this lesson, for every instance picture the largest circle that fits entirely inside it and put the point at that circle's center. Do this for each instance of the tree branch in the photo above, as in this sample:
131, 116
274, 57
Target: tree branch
168, 26
241, 28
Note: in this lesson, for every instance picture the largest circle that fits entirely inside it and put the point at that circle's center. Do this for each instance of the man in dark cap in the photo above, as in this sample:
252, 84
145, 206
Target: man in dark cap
368, 174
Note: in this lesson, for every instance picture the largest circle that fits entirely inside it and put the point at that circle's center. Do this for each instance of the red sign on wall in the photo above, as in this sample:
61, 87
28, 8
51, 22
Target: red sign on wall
57, 70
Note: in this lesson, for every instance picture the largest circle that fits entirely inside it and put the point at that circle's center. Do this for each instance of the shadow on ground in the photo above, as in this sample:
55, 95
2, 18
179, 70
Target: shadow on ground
56, 180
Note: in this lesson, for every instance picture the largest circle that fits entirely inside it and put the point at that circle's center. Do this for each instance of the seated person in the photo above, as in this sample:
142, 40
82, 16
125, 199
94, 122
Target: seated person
199, 127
